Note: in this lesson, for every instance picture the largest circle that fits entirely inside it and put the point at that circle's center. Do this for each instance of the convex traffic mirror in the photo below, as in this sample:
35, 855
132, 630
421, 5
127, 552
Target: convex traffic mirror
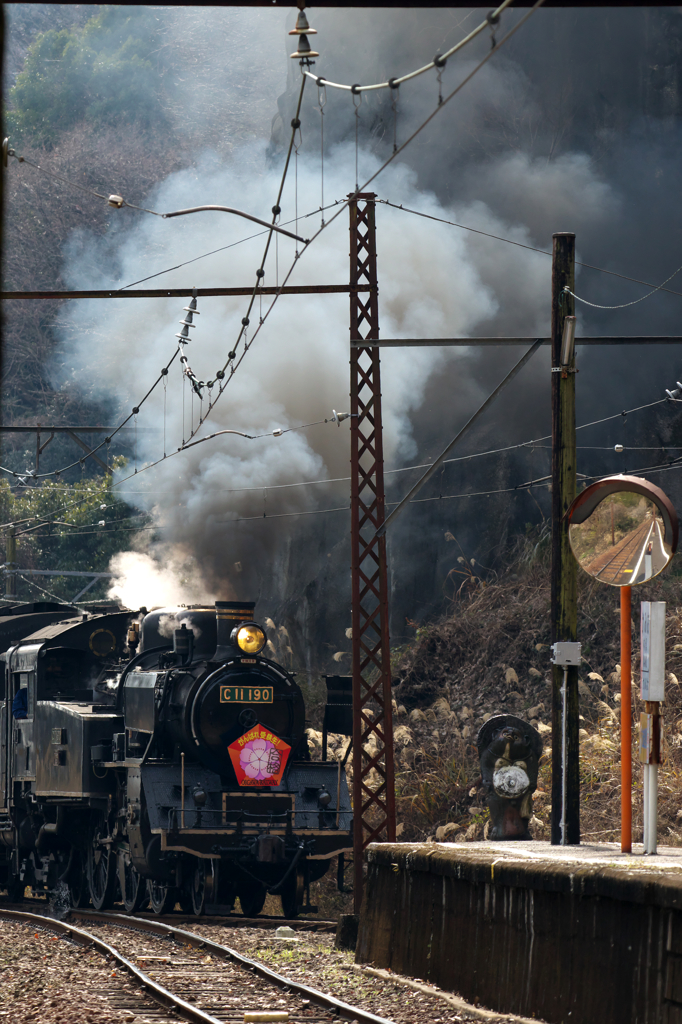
622, 530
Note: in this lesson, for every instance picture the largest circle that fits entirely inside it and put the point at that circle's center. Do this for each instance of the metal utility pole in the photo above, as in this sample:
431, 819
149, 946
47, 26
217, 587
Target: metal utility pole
564, 596
373, 771
11, 562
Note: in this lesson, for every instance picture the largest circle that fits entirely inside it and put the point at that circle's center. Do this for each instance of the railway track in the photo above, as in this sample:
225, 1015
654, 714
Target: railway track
189, 975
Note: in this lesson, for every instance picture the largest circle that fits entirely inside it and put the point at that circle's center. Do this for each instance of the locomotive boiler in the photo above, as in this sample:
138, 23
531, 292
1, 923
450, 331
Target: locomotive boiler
160, 756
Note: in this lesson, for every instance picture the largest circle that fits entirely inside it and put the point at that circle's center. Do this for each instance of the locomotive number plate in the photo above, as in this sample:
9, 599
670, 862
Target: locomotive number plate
246, 694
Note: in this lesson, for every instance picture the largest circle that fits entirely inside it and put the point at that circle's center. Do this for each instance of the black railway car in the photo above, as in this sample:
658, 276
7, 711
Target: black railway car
161, 757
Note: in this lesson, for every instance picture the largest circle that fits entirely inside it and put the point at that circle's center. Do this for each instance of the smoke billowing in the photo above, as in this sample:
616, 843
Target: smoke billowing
587, 141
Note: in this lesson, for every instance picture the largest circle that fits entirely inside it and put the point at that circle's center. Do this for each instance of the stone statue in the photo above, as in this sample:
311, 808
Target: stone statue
509, 751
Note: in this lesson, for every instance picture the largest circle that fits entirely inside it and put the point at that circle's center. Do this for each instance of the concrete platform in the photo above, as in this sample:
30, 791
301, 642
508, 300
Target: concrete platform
575, 934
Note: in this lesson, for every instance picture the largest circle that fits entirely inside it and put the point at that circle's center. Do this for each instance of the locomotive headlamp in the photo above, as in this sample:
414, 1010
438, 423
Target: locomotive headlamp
249, 637
324, 798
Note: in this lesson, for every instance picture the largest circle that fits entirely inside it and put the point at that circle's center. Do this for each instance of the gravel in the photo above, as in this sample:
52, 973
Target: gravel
49, 980
312, 960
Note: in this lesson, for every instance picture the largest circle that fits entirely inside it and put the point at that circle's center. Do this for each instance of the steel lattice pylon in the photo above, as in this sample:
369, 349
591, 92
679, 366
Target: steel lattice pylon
373, 773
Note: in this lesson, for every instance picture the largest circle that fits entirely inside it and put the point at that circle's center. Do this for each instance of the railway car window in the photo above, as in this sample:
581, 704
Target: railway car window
66, 673
24, 696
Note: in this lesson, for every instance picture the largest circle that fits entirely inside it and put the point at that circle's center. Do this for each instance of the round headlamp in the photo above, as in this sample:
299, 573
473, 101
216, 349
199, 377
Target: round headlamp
249, 638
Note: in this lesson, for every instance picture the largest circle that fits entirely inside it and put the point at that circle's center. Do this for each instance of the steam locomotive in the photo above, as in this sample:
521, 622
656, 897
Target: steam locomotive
160, 757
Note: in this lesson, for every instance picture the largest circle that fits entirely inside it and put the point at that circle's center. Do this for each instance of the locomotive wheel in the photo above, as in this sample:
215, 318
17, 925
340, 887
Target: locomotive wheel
292, 895
15, 889
198, 886
133, 889
252, 900
101, 876
162, 898
185, 899
78, 882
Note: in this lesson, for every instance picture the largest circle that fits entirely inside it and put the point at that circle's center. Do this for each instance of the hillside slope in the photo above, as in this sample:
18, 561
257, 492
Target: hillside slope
490, 655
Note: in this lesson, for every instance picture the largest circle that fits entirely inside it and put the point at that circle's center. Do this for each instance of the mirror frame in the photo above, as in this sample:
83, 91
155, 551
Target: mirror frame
585, 503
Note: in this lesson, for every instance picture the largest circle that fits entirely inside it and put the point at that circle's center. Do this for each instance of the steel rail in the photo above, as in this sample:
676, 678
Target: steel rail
226, 953
158, 992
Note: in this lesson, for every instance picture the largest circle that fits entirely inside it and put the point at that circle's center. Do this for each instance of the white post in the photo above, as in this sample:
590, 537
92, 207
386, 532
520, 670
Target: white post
653, 693
564, 783
653, 808
645, 809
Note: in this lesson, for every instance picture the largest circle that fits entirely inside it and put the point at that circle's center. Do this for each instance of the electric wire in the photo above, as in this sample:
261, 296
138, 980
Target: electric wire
295, 124
306, 483
32, 475
120, 202
524, 444
518, 488
546, 437
532, 248
223, 248
323, 227
76, 185
623, 305
438, 61
25, 579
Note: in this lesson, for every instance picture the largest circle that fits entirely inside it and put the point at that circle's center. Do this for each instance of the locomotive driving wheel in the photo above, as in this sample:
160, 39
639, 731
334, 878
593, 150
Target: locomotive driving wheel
133, 888
101, 874
15, 889
78, 881
201, 881
252, 899
162, 898
292, 894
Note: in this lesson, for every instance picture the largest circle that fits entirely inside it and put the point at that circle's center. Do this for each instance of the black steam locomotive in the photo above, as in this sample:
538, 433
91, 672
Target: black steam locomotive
160, 757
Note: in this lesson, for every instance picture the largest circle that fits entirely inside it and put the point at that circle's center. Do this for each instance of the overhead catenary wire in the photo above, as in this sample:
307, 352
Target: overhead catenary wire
111, 200
533, 248
305, 483
527, 485
438, 61
276, 211
488, 492
467, 426
31, 474
623, 305
360, 189
223, 248
118, 202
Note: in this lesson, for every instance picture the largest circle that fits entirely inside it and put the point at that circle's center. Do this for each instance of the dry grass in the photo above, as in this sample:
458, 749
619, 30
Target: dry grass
491, 654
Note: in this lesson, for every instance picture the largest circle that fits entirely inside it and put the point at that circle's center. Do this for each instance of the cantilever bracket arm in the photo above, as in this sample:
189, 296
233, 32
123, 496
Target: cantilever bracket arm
237, 213
209, 437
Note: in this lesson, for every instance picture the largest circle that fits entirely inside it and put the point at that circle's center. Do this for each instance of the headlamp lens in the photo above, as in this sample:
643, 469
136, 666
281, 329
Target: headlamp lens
251, 638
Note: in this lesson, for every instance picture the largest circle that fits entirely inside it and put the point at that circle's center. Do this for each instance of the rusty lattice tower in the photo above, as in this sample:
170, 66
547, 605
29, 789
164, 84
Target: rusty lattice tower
373, 773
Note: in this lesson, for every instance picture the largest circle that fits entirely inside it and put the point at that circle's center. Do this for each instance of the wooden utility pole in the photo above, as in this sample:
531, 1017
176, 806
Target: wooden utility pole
564, 597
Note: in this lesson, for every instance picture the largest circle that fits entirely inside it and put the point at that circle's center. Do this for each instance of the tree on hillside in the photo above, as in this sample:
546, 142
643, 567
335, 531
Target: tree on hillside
107, 72
84, 525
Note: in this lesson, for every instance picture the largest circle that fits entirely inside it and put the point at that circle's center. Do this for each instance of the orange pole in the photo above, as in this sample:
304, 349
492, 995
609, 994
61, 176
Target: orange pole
625, 720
